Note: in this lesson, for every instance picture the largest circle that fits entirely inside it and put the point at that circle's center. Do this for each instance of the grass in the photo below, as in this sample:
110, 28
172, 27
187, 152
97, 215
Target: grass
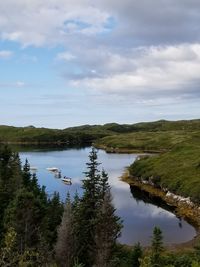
177, 169
146, 141
118, 133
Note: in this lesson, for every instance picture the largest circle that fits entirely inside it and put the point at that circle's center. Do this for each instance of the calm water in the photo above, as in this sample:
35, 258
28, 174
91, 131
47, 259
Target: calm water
139, 217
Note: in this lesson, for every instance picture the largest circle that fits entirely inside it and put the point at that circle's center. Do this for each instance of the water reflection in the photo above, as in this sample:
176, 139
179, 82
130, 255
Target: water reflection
138, 211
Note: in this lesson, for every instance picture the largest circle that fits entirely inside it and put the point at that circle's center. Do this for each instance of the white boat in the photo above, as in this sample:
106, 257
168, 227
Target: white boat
67, 180
52, 169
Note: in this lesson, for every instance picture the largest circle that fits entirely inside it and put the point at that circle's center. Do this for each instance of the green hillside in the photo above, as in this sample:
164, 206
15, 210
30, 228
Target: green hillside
158, 141
177, 169
86, 134
71, 136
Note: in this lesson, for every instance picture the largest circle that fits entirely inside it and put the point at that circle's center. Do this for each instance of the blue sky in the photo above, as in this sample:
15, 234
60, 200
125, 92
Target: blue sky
66, 63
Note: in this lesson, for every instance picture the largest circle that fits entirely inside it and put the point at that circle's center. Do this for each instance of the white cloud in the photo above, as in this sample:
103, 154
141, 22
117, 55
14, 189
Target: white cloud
147, 70
50, 22
46, 22
5, 54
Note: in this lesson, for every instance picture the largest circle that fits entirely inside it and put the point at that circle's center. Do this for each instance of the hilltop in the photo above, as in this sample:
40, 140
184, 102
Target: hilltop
108, 135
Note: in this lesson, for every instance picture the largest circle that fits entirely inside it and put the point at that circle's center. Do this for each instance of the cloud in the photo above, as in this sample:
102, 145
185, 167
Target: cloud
154, 21
154, 70
5, 54
44, 22
129, 22
148, 51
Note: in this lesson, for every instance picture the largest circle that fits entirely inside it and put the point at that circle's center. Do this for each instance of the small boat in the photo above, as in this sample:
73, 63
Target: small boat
67, 180
52, 169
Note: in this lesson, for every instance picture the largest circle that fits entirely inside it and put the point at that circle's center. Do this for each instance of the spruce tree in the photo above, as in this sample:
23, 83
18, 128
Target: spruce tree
137, 255
157, 247
54, 212
107, 230
26, 215
95, 227
26, 174
65, 243
10, 181
87, 212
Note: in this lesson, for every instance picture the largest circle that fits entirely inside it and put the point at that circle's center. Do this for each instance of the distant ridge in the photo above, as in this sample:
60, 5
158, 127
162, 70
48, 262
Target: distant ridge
86, 134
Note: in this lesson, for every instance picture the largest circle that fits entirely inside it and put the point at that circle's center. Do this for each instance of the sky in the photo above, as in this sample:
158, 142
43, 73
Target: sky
73, 62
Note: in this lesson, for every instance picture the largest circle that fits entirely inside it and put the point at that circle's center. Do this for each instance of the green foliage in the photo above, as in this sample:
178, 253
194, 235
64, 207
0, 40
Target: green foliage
64, 249
137, 255
123, 256
195, 264
177, 169
28, 220
146, 262
8, 254
87, 134
89, 228
156, 247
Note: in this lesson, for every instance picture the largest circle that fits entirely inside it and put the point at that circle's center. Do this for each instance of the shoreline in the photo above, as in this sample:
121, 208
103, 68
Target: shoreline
128, 150
189, 212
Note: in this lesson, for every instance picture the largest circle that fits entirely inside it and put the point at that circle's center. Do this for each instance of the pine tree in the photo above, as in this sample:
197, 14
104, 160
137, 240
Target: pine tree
10, 181
107, 230
8, 253
65, 243
26, 174
54, 216
157, 247
87, 212
26, 214
137, 255
104, 185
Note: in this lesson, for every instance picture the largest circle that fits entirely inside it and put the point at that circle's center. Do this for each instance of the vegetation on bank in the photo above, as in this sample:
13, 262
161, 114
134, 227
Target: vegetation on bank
38, 230
178, 170
118, 134
159, 141
28, 217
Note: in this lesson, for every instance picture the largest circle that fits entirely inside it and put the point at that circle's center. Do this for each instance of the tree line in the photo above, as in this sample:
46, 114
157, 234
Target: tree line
39, 230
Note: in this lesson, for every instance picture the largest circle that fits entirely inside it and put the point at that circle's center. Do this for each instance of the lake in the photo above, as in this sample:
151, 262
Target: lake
139, 215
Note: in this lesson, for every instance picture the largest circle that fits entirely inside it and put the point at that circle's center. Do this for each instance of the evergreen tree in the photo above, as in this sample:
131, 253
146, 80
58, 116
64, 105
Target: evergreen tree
87, 212
65, 243
8, 253
53, 217
137, 255
25, 214
95, 227
107, 230
10, 181
145, 262
26, 175
157, 247
104, 185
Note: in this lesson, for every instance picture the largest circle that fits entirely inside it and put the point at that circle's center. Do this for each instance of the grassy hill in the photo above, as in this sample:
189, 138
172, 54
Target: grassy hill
158, 141
71, 136
116, 134
177, 169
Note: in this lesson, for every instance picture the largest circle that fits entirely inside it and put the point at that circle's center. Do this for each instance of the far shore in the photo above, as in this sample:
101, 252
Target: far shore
128, 150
